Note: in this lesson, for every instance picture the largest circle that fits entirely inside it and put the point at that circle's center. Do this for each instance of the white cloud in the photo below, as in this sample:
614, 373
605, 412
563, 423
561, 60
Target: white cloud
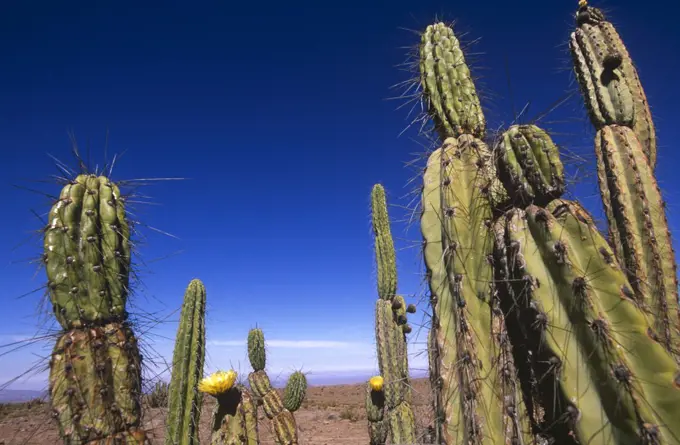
296, 344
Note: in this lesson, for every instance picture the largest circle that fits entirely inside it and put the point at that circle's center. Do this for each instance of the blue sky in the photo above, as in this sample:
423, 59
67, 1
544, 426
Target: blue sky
278, 116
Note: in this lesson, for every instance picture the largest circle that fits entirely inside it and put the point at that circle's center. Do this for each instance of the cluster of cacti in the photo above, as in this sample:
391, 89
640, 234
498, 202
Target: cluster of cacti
184, 399
541, 331
391, 327
234, 419
95, 369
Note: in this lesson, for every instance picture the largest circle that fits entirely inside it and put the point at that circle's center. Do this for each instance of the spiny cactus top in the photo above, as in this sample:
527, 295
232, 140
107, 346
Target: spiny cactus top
447, 84
87, 253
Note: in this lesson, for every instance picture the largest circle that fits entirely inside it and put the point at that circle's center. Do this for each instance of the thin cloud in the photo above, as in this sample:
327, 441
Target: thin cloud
296, 344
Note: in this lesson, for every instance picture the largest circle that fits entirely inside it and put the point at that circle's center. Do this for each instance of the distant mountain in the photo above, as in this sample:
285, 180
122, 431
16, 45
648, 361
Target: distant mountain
19, 395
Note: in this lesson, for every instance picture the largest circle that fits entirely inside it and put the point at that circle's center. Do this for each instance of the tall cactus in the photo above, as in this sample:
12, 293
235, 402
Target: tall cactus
95, 368
184, 399
625, 145
390, 330
476, 398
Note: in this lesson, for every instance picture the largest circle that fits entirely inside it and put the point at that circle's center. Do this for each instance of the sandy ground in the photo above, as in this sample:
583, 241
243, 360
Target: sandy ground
329, 415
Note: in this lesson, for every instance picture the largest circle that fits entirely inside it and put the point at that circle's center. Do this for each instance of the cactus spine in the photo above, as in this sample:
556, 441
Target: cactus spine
95, 368
390, 332
476, 398
626, 155
184, 399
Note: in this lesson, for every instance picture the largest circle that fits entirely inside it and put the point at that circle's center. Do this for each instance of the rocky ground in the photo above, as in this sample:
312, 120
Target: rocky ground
330, 415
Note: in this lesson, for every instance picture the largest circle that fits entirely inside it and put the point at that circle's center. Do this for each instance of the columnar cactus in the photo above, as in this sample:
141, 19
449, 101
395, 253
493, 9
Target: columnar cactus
184, 399
625, 145
603, 377
588, 330
390, 330
281, 416
95, 369
476, 398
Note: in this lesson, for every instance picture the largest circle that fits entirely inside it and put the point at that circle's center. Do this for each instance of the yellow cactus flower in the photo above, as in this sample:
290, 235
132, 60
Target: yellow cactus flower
376, 383
218, 382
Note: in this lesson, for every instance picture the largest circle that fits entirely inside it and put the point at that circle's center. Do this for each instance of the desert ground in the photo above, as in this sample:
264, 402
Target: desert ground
330, 415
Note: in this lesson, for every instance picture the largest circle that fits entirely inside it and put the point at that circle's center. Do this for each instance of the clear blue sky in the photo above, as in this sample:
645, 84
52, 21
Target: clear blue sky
277, 112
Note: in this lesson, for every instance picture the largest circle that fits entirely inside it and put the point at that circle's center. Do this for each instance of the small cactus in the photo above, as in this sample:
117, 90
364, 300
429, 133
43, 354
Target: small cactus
283, 421
185, 399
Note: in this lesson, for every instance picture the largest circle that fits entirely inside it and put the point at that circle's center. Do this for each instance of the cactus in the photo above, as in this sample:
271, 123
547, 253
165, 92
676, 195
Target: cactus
87, 253
604, 378
184, 400
283, 420
375, 411
390, 330
608, 80
468, 334
447, 85
525, 289
234, 418
625, 146
95, 367
470, 356
295, 391
529, 165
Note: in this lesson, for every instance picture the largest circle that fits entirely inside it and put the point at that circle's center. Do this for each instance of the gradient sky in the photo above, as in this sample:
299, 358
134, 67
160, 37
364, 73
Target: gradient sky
278, 114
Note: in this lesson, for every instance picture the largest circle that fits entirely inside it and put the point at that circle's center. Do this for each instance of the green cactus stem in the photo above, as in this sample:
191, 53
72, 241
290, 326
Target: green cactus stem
87, 253
234, 419
95, 385
391, 325
638, 228
257, 354
608, 80
295, 391
447, 85
529, 165
378, 428
473, 405
184, 399
602, 376
95, 367
385, 255
283, 420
